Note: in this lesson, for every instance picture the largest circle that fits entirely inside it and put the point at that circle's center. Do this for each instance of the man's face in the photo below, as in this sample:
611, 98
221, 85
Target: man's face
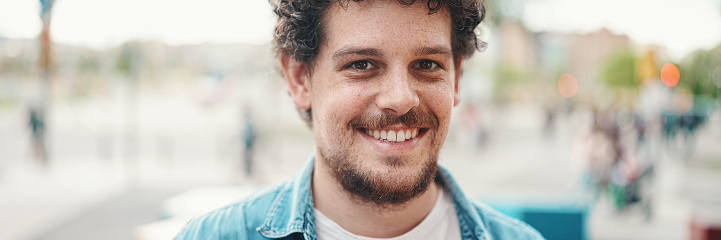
382, 89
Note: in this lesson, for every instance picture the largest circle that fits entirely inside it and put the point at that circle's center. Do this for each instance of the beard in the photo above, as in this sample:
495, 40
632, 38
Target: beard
391, 187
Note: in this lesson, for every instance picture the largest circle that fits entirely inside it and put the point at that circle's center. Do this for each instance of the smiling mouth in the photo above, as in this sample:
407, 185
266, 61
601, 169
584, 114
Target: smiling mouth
397, 135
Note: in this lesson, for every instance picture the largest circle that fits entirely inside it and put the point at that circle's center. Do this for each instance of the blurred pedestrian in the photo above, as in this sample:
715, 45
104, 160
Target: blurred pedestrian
472, 134
612, 166
598, 155
36, 121
249, 137
639, 124
689, 123
549, 121
670, 122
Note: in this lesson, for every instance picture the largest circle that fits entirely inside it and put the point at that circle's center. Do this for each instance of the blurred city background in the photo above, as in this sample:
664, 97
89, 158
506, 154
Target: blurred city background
588, 119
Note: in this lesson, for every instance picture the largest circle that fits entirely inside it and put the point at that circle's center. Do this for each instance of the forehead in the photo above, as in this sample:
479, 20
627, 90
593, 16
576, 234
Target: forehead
388, 24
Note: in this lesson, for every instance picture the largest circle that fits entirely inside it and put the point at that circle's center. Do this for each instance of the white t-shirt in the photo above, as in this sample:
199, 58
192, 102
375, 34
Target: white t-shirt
440, 223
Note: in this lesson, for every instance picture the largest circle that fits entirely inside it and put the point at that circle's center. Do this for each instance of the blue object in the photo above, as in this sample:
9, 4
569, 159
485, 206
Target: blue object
45, 6
554, 220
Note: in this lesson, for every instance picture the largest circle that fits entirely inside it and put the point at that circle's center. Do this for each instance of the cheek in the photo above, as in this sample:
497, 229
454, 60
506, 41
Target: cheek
440, 99
338, 105
440, 102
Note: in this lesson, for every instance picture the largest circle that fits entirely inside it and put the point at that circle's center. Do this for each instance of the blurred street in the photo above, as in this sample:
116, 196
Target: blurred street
99, 185
585, 119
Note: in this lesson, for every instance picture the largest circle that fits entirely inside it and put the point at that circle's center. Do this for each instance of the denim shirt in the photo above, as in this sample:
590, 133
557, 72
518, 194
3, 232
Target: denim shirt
285, 211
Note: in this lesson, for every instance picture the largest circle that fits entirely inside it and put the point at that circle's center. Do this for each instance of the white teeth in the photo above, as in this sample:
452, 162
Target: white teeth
392, 135
401, 136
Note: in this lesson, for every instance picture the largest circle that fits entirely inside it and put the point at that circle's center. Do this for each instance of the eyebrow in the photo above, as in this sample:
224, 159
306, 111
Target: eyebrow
439, 49
372, 52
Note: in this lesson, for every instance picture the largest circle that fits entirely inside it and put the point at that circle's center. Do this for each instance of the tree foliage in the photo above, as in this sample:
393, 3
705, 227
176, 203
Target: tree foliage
506, 78
701, 72
128, 60
619, 71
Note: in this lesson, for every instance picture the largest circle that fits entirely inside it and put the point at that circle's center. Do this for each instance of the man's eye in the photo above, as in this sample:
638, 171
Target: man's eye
426, 65
361, 65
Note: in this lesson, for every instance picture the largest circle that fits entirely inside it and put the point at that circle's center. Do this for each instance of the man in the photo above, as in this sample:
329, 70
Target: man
376, 81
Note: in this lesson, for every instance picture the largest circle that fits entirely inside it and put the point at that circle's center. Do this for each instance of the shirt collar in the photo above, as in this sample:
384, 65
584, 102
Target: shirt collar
464, 206
292, 209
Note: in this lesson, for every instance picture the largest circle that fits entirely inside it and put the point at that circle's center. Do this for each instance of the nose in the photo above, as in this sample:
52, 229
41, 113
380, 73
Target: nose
397, 94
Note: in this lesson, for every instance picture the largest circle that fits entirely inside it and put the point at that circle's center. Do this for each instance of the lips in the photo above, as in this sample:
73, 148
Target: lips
391, 128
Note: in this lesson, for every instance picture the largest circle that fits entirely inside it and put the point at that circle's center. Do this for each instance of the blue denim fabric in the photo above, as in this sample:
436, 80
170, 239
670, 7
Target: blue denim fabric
285, 211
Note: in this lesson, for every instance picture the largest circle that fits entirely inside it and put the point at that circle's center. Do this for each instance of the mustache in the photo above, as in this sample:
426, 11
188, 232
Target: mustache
413, 118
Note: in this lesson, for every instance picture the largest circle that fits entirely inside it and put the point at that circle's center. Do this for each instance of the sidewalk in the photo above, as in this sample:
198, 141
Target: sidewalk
34, 201
91, 171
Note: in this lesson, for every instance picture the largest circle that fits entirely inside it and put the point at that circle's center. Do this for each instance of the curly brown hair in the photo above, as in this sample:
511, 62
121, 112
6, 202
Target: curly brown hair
299, 30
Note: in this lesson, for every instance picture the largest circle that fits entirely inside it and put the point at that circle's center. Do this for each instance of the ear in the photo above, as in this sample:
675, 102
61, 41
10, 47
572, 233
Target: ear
298, 81
456, 81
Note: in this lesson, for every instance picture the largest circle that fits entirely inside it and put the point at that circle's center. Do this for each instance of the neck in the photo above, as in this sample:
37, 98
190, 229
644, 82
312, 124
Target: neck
364, 218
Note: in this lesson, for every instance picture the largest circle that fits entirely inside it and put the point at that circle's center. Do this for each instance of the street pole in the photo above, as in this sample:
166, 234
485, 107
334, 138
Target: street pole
44, 86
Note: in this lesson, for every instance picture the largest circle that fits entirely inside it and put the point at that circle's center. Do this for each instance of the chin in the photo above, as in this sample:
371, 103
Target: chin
388, 180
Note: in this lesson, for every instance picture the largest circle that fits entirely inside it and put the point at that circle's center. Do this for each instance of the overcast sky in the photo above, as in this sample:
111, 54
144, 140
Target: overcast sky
681, 26
101, 23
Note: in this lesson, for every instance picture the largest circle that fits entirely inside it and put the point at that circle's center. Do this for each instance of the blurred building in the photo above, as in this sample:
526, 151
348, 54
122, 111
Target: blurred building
516, 45
539, 58
587, 53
